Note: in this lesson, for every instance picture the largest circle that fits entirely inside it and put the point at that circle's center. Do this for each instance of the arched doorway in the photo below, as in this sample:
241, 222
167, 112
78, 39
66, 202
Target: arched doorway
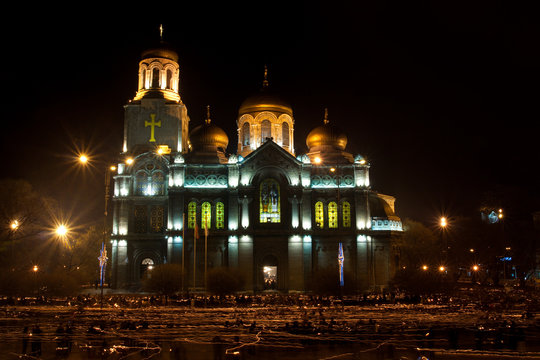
269, 270
147, 265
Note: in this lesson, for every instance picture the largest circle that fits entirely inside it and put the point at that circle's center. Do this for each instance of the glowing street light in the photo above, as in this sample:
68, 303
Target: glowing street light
14, 225
35, 269
129, 161
443, 223
475, 267
425, 267
83, 159
442, 268
61, 230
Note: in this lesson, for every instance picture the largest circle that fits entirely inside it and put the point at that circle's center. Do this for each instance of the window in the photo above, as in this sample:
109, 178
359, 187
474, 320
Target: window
319, 214
269, 202
169, 79
156, 218
332, 215
192, 214
155, 78
266, 130
141, 183
220, 215
346, 208
285, 134
158, 183
206, 215
140, 218
245, 134
143, 71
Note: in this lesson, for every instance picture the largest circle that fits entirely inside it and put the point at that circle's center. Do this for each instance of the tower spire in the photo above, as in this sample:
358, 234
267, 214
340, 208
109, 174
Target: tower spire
161, 32
207, 114
265, 81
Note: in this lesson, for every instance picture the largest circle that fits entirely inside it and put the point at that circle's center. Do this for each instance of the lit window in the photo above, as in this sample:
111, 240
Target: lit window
332, 215
220, 215
346, 214
206, 215
245, 134
269, 202
319, 214
285, 134
141, 183
192, 214
266, 130
155, 78
158, 183
169, 79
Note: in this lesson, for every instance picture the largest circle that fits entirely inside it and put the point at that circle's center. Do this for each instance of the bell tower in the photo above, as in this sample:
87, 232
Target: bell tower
156, 116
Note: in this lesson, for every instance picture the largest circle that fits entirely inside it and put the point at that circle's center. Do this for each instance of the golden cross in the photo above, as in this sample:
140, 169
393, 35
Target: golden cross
152, 125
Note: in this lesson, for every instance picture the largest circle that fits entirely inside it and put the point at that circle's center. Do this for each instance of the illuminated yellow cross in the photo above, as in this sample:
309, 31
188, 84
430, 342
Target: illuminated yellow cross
152, 125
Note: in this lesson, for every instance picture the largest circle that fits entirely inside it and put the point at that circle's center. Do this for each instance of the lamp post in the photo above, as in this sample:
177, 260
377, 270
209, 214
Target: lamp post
443, 223
83, 159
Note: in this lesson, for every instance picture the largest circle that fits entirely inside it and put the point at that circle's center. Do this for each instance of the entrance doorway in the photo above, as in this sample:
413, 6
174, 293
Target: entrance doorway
269, 270
146, 267
270, 277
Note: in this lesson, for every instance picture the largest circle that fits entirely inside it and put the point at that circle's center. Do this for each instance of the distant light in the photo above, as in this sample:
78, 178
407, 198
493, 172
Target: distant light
317, 160
332, 169
442, 268
471, 250
443, 222
112, 168
35, 268
475, 267
425, 267
14, 225
129, 161
363, 162
83, 159
61, 230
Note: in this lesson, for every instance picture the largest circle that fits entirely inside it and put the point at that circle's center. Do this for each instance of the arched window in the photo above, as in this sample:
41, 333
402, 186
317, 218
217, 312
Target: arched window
332, 215
266, 130
169, 79
319, 214
285, 133
192, 214
143, 80
155, 78
220, 215
245, 134
141, 183
346, 208
140, 219
206, 215
269, 202
158, 183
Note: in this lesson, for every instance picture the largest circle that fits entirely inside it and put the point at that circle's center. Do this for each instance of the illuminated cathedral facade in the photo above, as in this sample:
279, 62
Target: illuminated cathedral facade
276, 216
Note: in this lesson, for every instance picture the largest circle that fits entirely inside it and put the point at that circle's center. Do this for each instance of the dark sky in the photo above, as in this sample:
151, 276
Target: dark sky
441, 97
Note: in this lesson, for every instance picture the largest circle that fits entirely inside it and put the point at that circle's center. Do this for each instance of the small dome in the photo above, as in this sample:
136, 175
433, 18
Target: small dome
327, 135
264, 101
208, 136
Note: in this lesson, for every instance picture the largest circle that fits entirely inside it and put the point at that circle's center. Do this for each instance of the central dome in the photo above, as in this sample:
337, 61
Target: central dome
264, 101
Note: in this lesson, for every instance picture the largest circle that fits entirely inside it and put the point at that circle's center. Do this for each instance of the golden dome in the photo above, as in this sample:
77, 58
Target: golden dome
162, 51
207, 136
264, 101
327, 135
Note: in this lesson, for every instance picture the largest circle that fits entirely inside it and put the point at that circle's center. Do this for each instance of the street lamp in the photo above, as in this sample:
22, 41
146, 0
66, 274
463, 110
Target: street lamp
103, 252
61, 230
425, 267
443, 223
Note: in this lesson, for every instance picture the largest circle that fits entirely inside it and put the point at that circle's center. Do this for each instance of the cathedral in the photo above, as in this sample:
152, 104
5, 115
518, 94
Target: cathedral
279, 218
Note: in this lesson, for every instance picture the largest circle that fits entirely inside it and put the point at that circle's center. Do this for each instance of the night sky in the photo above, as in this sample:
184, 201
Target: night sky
441, 98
